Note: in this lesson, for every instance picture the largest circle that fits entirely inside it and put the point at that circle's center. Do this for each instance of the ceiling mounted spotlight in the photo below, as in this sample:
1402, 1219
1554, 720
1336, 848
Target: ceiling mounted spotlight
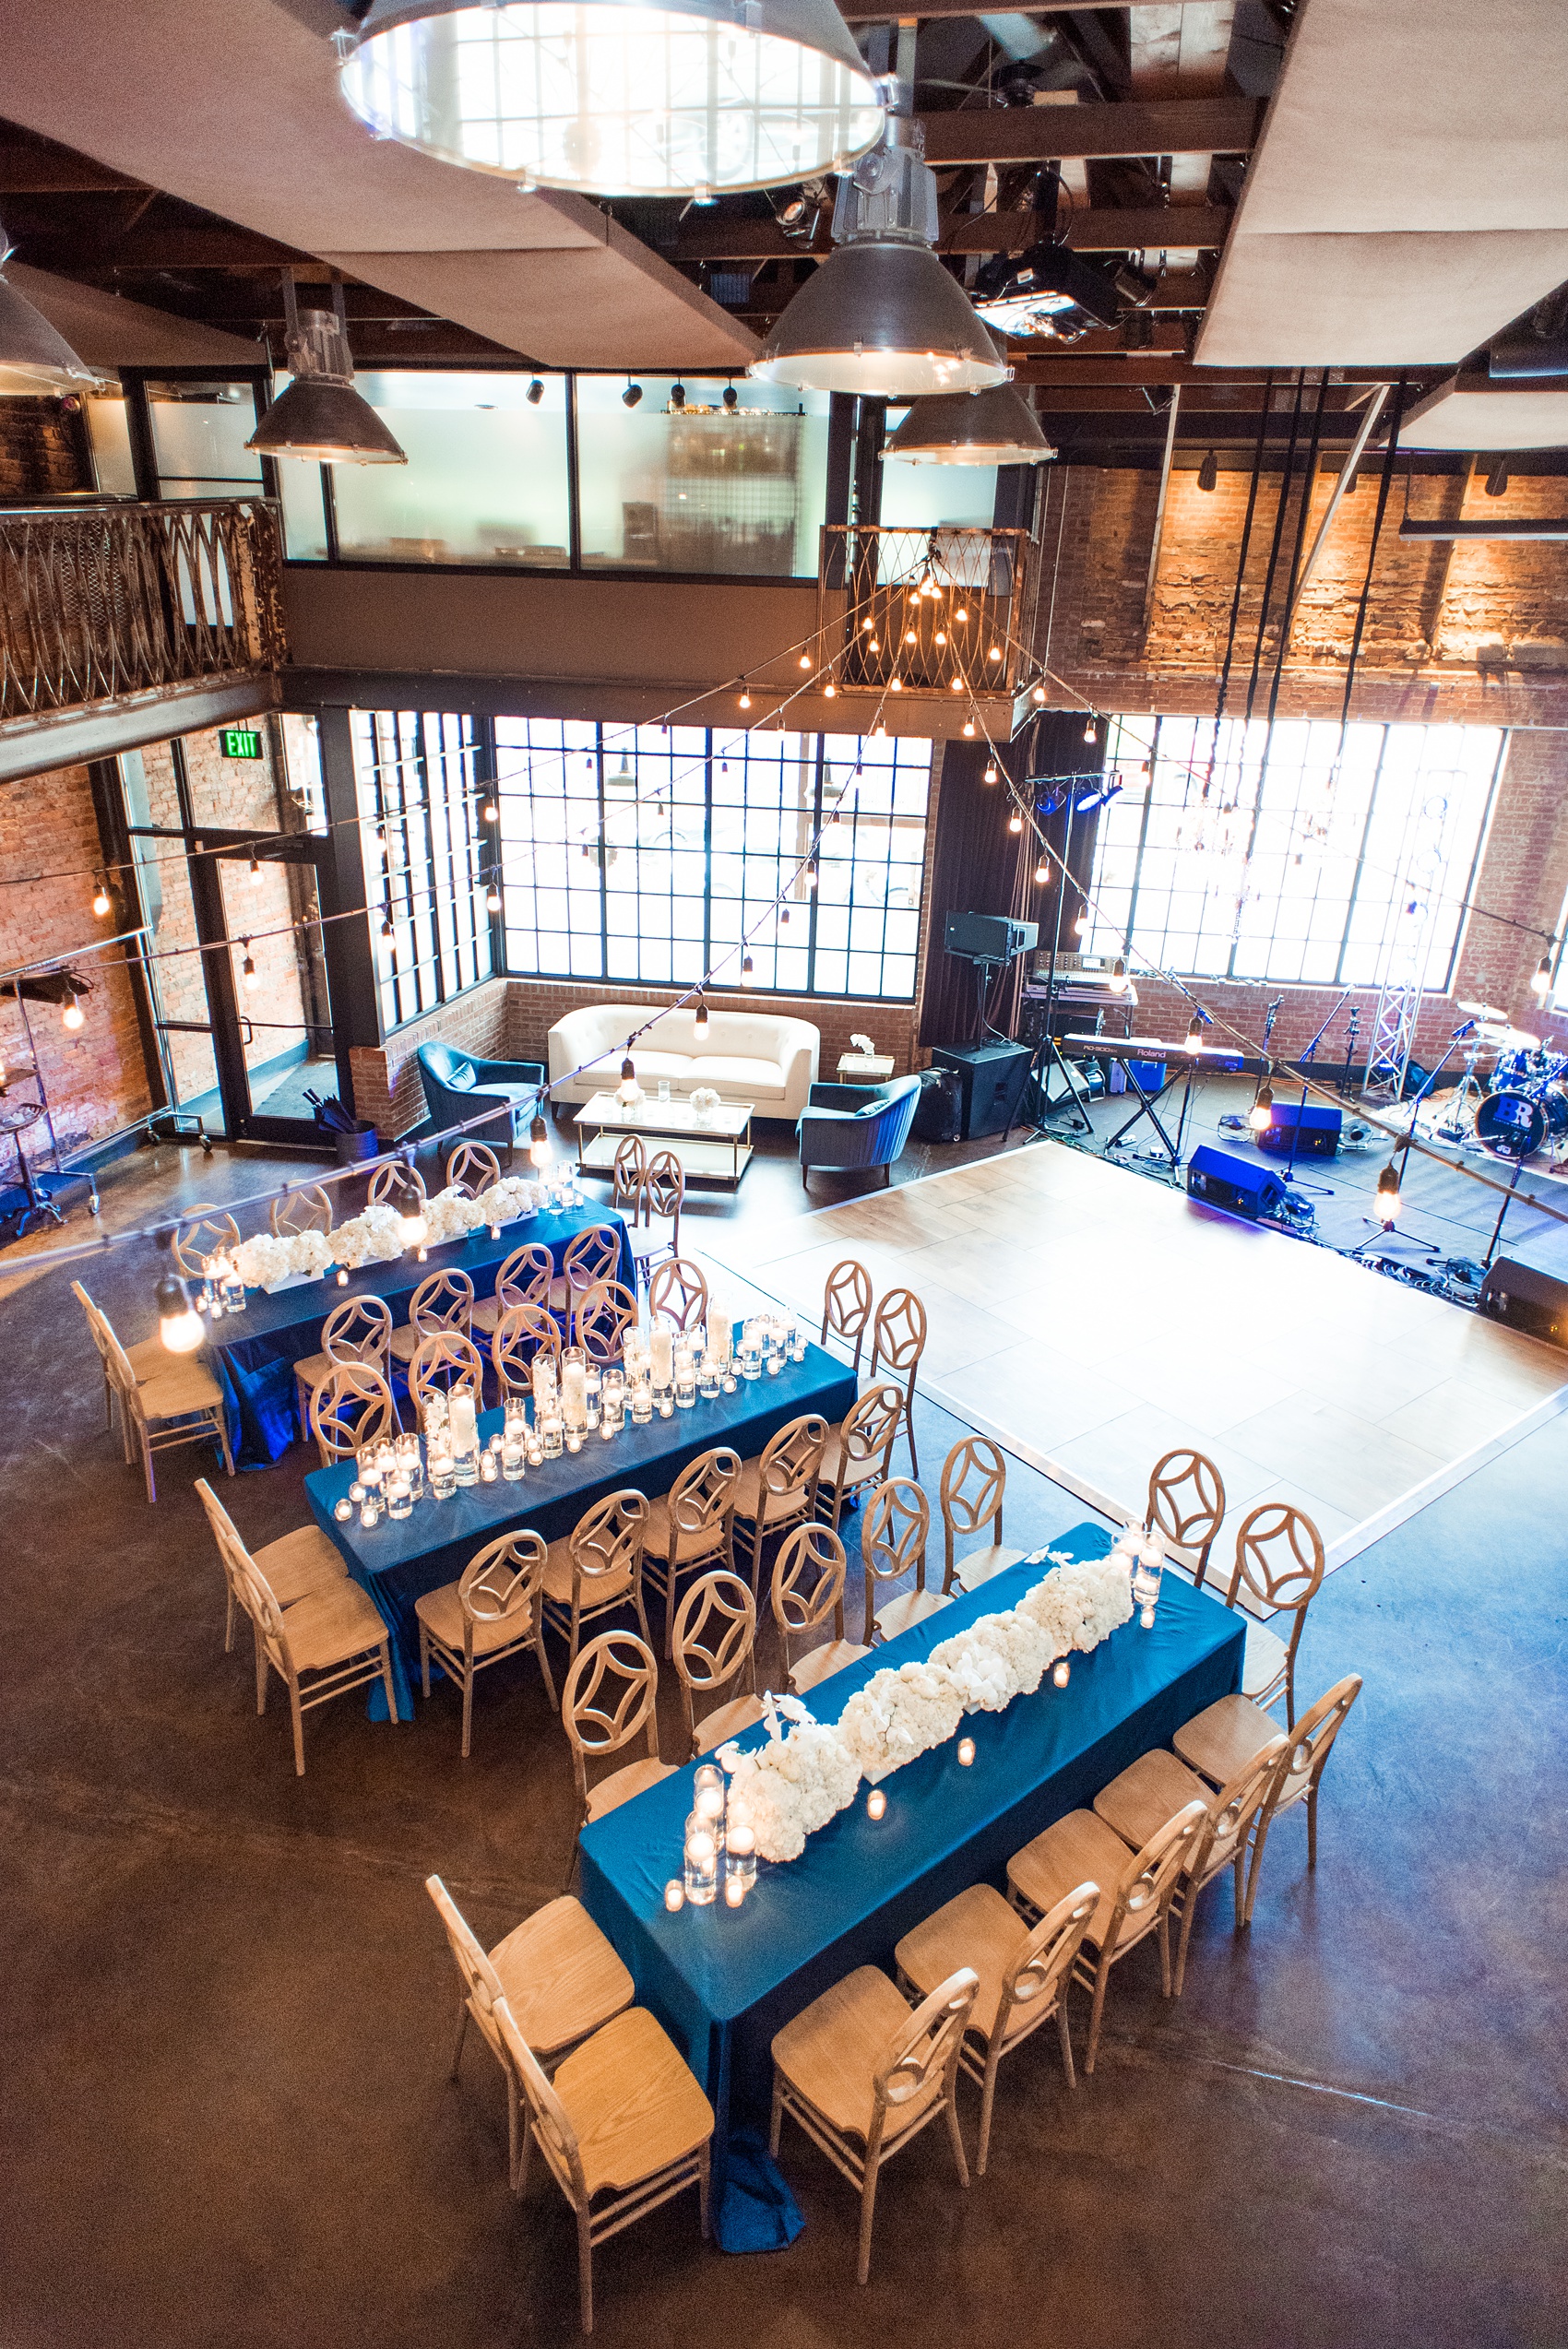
632, 394
534, 393
732, 398
1047, 291
882, 316
1208, 472
33, 358
682, 98
677, 397
994, 427
320, 416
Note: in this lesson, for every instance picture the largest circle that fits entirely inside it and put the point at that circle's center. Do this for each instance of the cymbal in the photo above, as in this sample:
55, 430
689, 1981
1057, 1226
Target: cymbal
1489, 1011
1519, 1040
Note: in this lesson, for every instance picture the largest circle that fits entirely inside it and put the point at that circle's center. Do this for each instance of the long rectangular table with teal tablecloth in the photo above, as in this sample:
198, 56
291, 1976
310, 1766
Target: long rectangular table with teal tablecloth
253, 1355
724, 1981
397, 1562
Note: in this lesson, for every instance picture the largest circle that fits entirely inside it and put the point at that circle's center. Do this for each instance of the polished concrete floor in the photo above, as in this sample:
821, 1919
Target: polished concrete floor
228, 2013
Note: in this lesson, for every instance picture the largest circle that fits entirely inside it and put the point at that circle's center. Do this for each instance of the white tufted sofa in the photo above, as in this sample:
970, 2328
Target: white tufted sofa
745, 1056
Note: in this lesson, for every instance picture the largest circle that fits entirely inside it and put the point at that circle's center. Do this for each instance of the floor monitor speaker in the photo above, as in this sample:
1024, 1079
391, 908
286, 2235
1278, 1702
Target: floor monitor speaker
1526, 1300
1314, 1130
1220, 1180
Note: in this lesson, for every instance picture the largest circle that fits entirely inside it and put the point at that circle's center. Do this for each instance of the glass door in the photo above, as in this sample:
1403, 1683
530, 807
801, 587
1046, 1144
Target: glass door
282, 1038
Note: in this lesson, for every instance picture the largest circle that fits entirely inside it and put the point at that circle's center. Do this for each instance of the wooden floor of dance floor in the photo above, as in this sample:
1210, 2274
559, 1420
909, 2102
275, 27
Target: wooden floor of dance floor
1090, 1320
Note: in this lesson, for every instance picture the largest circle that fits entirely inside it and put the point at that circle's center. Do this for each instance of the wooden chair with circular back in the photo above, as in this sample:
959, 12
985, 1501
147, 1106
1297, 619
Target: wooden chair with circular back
860, 1451
777, 1489
846, 1306
898, 1341
598, 1566
525, 1278
1186, 1502
446, 1364
622, 2127
203, 1231
1221, 1741
520, 1333
808, 1589
491, 1612
862, 2076
604, 1315
628, 1177
293, 1567
1135, 1900
556, 1968
1152, 1789
589, 1256
1279, 1562
471, 1168
320, 1648
353, 1405
692, 1526
175, 1401
360, 1330
307, 1209
894, 1534
715, 1643
396, 1184
664, 1192
444, 1300
974, 1481
1024, 1973
609, 1700
678, 1290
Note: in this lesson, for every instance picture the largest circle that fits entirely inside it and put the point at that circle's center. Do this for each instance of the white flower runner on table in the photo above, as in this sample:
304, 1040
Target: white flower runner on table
376, 1236
802, 1776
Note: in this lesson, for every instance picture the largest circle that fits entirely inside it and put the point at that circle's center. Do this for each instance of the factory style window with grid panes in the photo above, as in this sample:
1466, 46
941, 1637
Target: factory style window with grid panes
1228, 853
422, 823
638, 854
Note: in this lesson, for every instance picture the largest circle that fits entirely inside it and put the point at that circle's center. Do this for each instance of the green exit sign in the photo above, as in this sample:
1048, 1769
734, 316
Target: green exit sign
240, 741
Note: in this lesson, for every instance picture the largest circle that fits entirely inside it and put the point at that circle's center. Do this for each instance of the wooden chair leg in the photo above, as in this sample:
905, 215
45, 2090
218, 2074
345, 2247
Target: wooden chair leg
955, 2134
988, 2098
777, 2123
468, 1709
229, 1623
585, 2266
1256, 1869
299, 1720
1164, 1938
147, 1463
1096, 2012
1063, 2031
260, 1671
462, 2030
704, 2165
1311, 1826
868, 2212
1189, 1908
425, 1657
386, 1679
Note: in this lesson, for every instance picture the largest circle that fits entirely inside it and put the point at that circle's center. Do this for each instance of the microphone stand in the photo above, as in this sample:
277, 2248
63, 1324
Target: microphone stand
1321, 1190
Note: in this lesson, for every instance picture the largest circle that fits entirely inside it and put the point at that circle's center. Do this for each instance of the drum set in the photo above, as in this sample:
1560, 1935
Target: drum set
1522, 1107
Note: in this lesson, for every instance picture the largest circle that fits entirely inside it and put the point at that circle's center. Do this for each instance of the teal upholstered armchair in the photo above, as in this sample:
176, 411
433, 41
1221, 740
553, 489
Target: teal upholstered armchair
457, 1086
850, 1126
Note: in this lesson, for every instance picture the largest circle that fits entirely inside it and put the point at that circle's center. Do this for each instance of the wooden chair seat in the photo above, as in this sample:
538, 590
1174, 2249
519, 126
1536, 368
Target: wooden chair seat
332, 1625
981, 1929
634, 2106
910, 1607
605, 1591
1151, 1790
621, 1784
705, 1542
728, 1721
481, 1324
1265, 1664
981, 1564
830, 2056
174, 1388
148, 1357
313, 1371
406, 1342
301, 1563
1220, 1742
823, 1662
1074, 1850
441, 1612
562, 1977
849, 1476
748, 1496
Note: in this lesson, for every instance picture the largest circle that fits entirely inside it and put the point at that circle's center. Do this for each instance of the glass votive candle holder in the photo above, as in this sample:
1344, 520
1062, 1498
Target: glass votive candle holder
797, 1342
735, 1888
442, 1475
342, 1278
751, 1356
1061, 1672
966, 1753
877, 1804
356, 1493
642, 1403
667, 1405
707, 1379
708, 1789
685, 1384
741, 1855
700, 1871
399, 1498
535, 1450
674, 1894
370, 1512
728, 1382
489, 1468
574, 1439
551, 1436
495, 1231
343, 1510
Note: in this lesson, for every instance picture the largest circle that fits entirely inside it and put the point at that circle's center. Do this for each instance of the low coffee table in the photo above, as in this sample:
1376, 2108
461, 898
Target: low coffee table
715, 1148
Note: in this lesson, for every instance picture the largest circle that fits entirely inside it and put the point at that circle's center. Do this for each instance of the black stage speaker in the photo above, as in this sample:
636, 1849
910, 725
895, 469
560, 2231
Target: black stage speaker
990, 938
992, 1079
1526, 1300
1221, 1180
1319, 1135
939, 1113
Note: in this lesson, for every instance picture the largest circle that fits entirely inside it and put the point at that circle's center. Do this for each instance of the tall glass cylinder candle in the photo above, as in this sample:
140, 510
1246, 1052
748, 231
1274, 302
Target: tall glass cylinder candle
700, 1873
574, 1388
661, 1352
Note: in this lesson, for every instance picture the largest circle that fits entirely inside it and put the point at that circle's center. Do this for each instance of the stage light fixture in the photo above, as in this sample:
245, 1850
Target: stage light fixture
882, 317
33, 358
1260, 1117
319, 416
1047, 291
1540, 978
100, 900
632, 394
179, 1323
539, 1142
994, 427
1208, 472
1119, 977
534, 393
1387, 1200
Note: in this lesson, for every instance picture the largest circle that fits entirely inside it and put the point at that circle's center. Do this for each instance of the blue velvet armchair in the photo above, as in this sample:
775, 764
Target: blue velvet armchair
852, 1126
457, 1086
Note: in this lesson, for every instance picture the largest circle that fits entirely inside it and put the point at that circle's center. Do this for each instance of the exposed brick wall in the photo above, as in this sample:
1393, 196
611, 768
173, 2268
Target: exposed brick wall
95, 1079
43, 450
387, 1086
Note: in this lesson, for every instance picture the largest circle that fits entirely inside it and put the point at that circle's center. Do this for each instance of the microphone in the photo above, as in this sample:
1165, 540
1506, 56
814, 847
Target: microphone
1468, 1030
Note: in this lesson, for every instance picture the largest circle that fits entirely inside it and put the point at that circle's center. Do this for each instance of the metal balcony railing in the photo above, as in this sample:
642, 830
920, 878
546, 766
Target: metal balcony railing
99, 601
921, 610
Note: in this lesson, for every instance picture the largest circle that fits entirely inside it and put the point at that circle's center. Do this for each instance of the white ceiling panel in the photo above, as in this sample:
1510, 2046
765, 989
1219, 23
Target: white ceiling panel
1470, 413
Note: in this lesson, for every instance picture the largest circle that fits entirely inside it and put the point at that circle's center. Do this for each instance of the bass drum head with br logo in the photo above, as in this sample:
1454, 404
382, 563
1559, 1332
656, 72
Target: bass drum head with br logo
1515, 1125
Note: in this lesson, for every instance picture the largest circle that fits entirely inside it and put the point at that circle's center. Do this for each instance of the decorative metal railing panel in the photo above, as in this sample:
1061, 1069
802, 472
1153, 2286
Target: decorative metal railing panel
99, 601
919, 611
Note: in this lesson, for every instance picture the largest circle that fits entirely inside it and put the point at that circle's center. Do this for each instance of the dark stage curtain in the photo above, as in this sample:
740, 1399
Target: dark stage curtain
980, 867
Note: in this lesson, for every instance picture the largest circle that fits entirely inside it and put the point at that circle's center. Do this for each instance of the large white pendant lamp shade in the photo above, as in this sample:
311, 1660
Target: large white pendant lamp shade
995, 427
33, 358
613, 98
882, 317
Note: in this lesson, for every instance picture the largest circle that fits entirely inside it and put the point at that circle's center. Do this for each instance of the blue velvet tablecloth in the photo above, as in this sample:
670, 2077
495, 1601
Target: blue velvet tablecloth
398, 1563
253, 1355
724, 1981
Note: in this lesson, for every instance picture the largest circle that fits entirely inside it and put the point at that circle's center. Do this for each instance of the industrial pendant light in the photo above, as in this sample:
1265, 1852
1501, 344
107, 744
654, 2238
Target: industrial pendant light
613, 98
994, 427
882, 316
33, 358
320, 416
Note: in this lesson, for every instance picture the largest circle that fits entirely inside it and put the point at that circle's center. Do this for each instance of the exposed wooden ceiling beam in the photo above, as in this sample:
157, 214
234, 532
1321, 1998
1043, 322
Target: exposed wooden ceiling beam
150, 246
1050, 134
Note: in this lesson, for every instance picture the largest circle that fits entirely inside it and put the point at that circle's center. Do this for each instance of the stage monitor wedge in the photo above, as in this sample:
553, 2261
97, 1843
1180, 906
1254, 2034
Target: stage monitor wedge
1316, 1130
1239, 1186
1526, 1300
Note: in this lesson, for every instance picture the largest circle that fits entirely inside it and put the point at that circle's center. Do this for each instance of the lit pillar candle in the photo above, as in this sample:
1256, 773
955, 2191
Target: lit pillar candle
574, 1393
661, 1346
461, 1417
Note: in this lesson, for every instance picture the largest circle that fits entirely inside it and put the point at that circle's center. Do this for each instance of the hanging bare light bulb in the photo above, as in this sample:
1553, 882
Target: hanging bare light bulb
179, 1323
1015, 821
628, 1092
1119, 977
699, 1020
991, 771
100, 901
249, 977
539, 1142
748, 971
1260, 1117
